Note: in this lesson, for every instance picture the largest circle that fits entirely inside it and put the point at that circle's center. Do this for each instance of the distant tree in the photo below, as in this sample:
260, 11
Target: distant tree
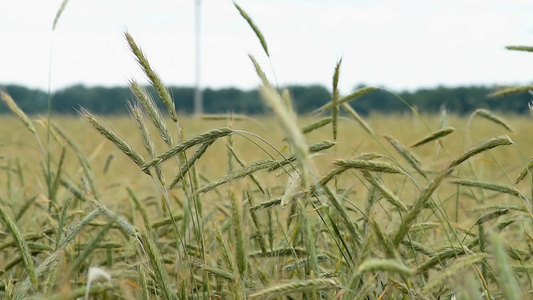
105, 100
183, 99
29, 100
308, 98
223, 100
99, 100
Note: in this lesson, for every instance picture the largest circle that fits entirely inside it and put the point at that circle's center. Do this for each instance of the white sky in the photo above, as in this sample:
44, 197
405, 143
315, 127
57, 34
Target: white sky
399, 44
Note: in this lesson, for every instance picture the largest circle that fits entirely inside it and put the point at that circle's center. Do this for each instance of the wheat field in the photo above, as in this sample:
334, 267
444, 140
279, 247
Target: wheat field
330, 205
350, 225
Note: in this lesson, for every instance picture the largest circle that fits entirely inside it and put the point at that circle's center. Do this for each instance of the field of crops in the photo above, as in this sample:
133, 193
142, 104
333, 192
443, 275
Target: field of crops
328, 205
374, 216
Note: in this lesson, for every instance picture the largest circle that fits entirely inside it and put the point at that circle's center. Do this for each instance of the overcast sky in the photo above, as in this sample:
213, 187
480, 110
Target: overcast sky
399, 44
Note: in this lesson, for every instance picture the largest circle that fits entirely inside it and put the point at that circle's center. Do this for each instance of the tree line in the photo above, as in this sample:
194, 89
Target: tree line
113, 100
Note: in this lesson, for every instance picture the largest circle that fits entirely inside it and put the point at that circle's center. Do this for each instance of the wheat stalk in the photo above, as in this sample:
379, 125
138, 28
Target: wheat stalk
441, 256
525, 171
258, 70
484, 113
280, 252
238, 174
343, 214
492, 215
385, 192
149, 146
226, 275
149, 106
242, 164
433, 136
218, 117
155, 260
317, 147
358, 93
406, 154
318, 124
58, 13
17, 111
224, 247
208, 136
162, 91
300, 286
358, 118
508, 284
387, 265
255, 219
21, 244
114, 138
502, 140
189, 163
488, 186
290, 127
334, 100
513, 90
367, 165
254, 28
520, 48
452, 270
238, 232
419, 204
384, 241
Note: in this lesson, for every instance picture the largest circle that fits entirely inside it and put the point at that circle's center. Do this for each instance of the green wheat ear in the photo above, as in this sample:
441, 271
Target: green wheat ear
520, 48
502, 140
254, 28
484, 113
21, 244
17, 111
295, 287
59, 12
433, 136
512, 90
289, 125
113, 137
335, 99
156, 82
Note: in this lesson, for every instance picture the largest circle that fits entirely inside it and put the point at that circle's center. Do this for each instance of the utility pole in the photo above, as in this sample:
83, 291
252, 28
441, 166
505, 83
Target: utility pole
198, 101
